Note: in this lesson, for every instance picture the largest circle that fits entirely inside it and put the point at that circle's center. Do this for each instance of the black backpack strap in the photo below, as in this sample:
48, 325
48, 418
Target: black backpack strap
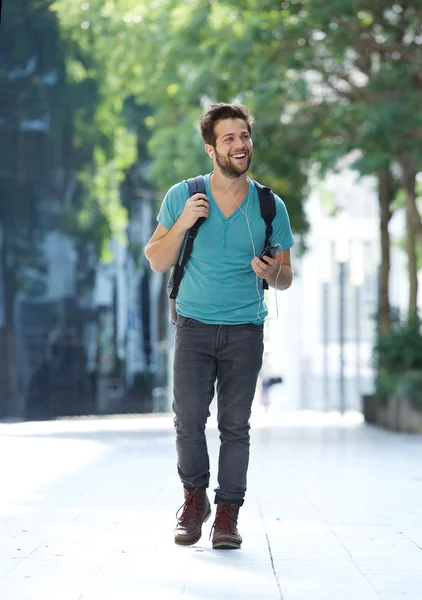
268, 210
196, 185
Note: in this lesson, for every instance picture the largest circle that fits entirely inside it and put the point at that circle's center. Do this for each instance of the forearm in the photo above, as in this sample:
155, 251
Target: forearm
284, 279
164, 253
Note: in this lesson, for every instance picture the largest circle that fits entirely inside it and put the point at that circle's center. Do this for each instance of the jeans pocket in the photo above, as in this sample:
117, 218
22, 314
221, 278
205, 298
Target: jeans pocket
254, 327
183, 321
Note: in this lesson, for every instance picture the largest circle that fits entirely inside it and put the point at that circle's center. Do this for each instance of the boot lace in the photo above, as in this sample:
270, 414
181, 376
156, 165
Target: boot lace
189, 508
224, 519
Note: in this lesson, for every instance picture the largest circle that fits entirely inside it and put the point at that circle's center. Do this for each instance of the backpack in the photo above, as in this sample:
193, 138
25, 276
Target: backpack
197, 185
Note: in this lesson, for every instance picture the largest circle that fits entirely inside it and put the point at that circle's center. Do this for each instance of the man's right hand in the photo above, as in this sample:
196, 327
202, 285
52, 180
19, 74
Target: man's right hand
195, 207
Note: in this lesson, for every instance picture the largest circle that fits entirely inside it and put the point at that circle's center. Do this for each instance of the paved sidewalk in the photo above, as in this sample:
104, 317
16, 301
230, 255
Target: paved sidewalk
333, 512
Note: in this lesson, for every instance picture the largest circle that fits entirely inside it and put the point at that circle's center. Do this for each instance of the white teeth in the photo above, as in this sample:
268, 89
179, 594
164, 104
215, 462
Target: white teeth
239, 155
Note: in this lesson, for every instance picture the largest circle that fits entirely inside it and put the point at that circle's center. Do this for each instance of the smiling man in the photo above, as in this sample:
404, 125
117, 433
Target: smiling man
221, 311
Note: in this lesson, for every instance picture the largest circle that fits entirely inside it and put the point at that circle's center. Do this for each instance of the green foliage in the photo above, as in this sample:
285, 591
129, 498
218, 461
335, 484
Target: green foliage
104, 146
397, 353
152, 53
323, 79
410, 386
218, 52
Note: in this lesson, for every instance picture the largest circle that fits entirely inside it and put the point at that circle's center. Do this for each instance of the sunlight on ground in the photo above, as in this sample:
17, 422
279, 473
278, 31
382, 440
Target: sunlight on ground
32, 465
305, 419
260, 418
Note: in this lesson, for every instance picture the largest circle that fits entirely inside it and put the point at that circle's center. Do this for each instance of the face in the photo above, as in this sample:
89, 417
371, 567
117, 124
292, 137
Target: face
233, 147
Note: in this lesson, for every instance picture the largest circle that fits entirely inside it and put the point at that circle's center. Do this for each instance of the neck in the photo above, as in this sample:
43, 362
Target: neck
234, 185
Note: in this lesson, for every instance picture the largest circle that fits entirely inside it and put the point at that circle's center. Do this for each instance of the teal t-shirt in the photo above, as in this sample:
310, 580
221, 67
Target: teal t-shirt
219, 285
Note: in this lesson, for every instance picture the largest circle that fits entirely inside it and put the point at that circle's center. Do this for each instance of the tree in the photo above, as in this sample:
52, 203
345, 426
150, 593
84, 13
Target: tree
154, 62
366, 56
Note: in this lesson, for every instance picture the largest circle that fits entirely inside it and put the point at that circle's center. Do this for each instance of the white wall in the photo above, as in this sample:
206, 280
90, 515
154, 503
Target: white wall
297, 336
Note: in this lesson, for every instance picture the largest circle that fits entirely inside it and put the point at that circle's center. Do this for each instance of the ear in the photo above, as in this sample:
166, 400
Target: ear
209, 150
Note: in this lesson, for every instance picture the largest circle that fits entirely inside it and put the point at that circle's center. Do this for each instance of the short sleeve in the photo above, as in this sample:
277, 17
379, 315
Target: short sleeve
173, 204
282, 233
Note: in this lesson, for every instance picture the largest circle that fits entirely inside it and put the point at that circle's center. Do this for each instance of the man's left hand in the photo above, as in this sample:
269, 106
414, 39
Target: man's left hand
264, 270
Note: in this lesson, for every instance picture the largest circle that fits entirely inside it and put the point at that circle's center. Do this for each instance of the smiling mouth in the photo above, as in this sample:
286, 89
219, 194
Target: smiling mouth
240, 155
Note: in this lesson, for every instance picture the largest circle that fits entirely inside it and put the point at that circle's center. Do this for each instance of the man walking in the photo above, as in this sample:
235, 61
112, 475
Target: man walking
221, 311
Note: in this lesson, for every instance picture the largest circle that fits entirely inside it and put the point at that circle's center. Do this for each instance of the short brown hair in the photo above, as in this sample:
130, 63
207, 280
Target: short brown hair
218, 112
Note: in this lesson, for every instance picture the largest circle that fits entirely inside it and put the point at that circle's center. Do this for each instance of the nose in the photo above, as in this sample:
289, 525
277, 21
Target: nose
241, 147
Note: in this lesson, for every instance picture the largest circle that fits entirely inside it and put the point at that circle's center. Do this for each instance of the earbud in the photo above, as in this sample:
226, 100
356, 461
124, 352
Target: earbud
211, 154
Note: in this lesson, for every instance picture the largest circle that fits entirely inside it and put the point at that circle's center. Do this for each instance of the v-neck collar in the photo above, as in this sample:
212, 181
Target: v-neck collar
239, 208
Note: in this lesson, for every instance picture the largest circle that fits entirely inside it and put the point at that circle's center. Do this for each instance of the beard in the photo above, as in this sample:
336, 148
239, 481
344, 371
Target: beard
228, 166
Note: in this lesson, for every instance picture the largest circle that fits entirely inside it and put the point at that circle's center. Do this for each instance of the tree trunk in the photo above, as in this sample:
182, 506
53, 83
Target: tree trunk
412, 262
11, 404
412, 230
409, 182
385, 196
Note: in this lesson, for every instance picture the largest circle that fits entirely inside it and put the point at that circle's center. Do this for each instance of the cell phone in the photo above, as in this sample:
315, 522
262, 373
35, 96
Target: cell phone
268, 251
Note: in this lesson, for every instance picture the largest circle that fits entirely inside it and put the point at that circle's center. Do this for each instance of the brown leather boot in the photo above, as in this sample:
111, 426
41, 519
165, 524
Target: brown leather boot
226, 536
196, 509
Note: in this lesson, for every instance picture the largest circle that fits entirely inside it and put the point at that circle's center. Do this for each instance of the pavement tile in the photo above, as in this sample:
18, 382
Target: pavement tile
332, 513
324, 580
401, 596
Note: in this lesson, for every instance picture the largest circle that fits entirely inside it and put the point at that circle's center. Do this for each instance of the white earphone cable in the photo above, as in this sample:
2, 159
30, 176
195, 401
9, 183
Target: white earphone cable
260, 297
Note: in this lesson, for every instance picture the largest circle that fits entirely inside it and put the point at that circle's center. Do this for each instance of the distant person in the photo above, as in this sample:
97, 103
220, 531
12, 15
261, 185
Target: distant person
221, 311
267, 383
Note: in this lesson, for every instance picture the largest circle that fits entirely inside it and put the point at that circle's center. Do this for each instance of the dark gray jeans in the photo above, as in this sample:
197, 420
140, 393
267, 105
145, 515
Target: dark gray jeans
232, 356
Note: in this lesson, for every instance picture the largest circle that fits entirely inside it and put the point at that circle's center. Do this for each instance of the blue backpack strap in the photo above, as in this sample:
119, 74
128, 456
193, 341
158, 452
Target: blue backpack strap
196, 185
268, 211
